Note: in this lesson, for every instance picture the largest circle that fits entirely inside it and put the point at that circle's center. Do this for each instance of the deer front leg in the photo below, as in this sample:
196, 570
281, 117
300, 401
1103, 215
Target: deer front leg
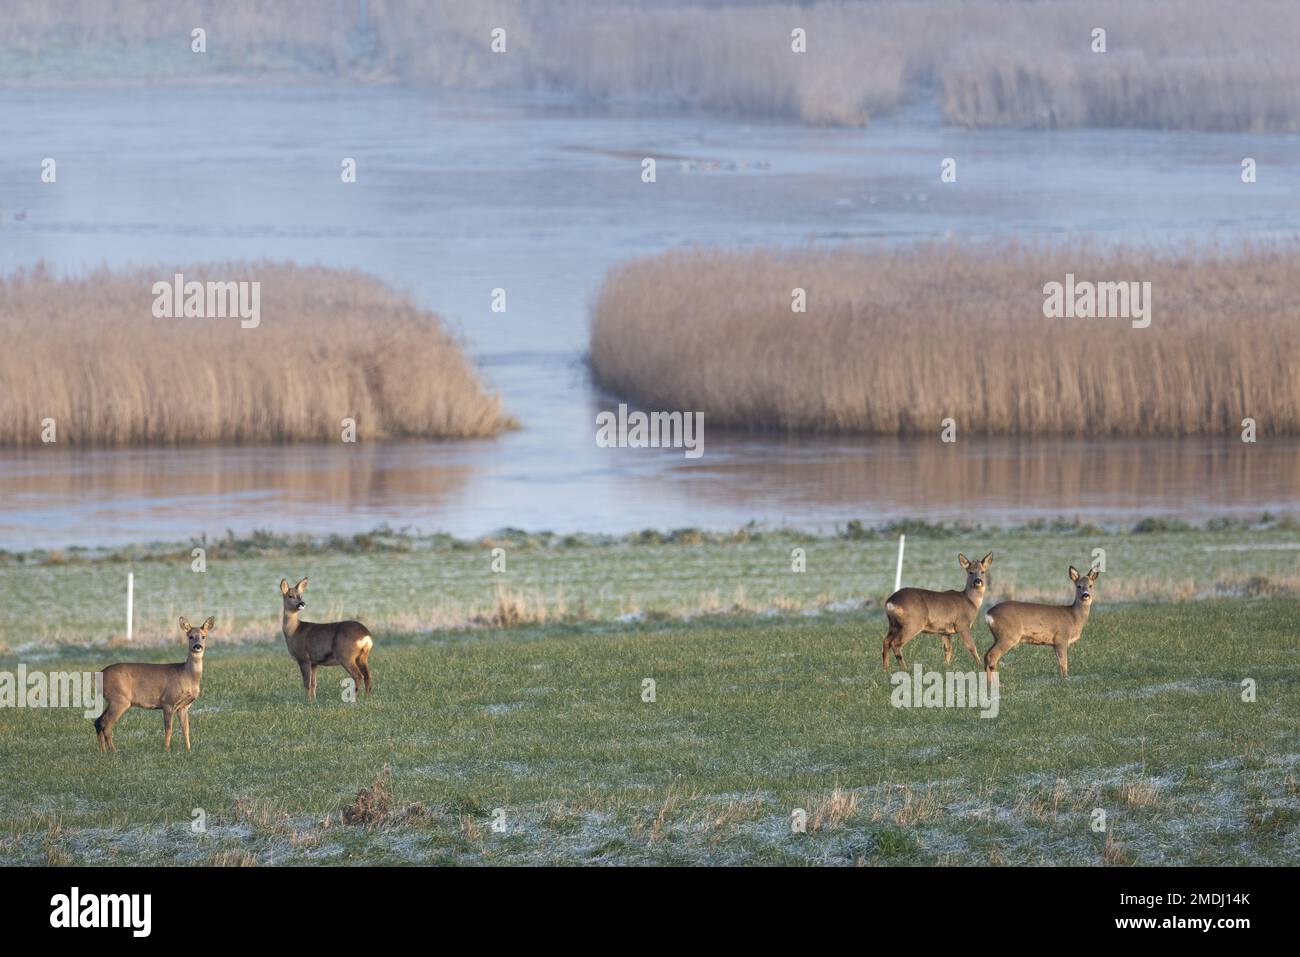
969, 642
1063, 659
308, 677
168, 714
185, 725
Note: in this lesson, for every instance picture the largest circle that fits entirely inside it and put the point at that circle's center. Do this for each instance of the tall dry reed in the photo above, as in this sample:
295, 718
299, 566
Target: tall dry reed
894, 342
1192, 64
88, 353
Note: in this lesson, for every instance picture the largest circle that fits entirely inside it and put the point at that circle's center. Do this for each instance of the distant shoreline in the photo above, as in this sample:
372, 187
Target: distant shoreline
986, 64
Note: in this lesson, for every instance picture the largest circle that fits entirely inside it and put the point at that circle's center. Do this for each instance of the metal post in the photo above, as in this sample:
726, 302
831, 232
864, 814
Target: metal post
898, 576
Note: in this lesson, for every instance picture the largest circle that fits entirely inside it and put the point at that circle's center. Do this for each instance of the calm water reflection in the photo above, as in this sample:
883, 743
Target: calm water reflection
54, 497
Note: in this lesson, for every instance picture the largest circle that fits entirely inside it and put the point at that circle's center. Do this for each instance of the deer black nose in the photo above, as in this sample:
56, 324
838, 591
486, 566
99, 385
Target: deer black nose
979, 581
302, 604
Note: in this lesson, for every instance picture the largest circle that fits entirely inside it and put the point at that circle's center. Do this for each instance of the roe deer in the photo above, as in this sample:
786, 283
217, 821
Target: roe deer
343, 643
173, 688
912, 611
1060, 626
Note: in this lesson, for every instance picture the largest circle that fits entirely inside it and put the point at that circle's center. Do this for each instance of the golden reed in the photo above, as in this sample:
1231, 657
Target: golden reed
89, 353
895, 341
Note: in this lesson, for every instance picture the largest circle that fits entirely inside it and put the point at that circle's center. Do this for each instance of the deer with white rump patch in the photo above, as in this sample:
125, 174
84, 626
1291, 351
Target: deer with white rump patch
172, 688
1016, 622
912, 611
343, 643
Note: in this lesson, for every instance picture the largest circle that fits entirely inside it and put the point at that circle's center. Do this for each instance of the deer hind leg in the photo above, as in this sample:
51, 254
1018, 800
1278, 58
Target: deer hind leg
363, 664
889, 643
168, 715
969, 642
1063, 659
904, 635
104, 724
354, 671
1000, 647
947, 648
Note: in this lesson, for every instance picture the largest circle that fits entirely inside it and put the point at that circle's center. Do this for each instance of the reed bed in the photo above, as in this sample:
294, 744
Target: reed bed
88, 353
896, 341
1192, 64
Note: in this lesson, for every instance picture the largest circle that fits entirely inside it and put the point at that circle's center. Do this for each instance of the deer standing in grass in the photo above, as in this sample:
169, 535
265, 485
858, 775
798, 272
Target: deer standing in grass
912, 611
173, 688
343, 643
1014, 622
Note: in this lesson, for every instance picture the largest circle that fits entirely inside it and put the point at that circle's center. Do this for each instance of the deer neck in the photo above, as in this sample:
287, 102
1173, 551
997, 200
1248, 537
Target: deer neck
289, 622
975, 596
1080, 609
194, 668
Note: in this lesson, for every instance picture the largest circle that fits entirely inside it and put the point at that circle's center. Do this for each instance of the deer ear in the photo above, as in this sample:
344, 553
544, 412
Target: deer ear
1092, 575
965, 562
185, 625
301, 585
1074, 574
207, 625
984, 562
284, 587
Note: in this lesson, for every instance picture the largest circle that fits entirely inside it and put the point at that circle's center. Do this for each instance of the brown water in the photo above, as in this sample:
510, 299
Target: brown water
458, 195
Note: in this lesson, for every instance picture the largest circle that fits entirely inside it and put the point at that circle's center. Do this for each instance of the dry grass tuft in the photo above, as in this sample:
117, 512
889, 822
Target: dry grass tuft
1140, 793
332, 344
231, 858
895, 341
1115, 854
831, 813
372, 804
513, 609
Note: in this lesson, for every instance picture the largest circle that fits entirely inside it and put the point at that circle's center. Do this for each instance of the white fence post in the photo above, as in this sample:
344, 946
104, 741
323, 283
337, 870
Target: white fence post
130, 603
898, 576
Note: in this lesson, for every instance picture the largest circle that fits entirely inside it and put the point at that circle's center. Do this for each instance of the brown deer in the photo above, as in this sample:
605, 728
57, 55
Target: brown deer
912, 611
1014, 622
173, 688
343, 643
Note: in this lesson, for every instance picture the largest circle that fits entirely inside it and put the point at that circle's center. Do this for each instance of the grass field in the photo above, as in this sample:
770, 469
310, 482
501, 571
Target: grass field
406, 583
544, 730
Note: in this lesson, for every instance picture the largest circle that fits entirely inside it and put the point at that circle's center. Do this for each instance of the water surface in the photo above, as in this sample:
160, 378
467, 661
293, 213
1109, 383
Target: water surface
458, 195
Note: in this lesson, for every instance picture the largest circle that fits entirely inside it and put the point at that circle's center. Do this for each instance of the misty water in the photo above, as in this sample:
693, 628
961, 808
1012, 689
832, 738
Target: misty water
458, 195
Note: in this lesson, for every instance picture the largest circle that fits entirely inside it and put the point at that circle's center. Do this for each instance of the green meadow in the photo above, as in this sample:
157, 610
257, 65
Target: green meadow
535, 744
399, 582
